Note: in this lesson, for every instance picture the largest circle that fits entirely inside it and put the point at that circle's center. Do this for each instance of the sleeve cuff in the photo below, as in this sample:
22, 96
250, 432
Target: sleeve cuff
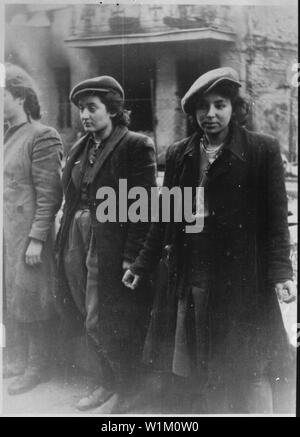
38, 235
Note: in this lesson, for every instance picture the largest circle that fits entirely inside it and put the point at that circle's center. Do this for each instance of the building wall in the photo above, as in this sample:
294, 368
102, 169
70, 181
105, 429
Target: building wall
265, 48
34, 39
28, 49
274, 50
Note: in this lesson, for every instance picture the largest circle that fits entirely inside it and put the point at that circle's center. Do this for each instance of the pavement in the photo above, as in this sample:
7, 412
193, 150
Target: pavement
55, 397
59, 396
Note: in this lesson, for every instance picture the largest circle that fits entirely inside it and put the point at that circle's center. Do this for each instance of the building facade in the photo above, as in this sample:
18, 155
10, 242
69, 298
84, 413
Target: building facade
156, 52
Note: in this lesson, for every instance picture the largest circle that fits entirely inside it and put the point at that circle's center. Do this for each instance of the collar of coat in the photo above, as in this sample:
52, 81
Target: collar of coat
234, 143
188, 163
12, 130
113, 140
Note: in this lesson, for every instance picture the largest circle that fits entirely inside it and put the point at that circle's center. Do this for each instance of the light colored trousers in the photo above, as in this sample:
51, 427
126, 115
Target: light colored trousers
81, 268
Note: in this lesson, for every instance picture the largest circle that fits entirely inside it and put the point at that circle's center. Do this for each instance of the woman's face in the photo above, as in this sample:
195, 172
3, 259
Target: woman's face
93, 114
13, 106
213, 113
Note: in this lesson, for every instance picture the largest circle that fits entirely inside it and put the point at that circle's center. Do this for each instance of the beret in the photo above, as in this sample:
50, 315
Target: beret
102, 84
16, 77
206, 82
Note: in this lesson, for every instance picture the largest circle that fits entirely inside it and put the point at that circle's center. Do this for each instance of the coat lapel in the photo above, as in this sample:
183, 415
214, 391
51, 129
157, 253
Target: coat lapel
188, 165
12, 130
116, 136
75, 151
233, 153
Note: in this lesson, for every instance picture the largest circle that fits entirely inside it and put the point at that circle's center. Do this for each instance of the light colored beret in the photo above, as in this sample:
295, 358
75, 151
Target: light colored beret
16, 77
206, 82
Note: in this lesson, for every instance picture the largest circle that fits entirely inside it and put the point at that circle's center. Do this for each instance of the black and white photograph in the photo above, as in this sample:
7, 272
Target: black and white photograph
149, 200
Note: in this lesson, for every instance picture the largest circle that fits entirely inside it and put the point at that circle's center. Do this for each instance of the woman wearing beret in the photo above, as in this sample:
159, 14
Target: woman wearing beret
94, 253
217, 319
32, 196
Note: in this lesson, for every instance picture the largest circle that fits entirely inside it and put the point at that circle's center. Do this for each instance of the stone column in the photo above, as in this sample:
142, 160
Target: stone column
166, 101
84, 64
235, 55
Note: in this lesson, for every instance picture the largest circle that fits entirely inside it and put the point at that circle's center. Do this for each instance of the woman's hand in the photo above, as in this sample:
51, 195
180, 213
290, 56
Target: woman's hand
130, 280
33, 255
286, 291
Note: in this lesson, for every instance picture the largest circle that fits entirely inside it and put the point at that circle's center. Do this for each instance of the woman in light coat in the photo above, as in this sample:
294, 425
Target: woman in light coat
32, 196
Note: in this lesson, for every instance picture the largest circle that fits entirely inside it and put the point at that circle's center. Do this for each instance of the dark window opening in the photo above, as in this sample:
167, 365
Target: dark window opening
139, 100
62, 76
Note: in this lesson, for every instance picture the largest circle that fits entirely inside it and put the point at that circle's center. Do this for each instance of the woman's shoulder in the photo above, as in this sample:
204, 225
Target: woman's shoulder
260, 140
41, 130
178, 148
138, 137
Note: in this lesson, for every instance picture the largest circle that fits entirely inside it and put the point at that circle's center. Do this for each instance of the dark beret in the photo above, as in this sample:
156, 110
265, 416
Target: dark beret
103, 84
206, 82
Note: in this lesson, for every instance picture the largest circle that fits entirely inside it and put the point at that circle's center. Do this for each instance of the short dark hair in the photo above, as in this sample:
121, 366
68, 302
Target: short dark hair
240, 104
114, 104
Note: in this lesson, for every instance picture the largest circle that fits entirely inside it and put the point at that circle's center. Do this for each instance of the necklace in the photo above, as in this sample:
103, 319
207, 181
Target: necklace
212, 152
211, 149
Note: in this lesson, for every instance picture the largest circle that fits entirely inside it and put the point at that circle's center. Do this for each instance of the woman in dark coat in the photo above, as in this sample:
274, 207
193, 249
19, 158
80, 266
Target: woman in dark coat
216, 315
32, 196
93, 254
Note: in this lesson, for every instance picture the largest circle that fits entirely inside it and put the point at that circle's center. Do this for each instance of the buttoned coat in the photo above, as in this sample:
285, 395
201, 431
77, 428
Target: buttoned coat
32, 195
250, 245
123, 315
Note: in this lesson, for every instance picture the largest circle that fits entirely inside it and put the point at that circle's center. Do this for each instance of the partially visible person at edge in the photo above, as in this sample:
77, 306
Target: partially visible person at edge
216, 320
32, 197
93, 255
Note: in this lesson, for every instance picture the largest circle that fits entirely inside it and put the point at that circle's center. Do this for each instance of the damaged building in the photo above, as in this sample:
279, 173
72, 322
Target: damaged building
156, 52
